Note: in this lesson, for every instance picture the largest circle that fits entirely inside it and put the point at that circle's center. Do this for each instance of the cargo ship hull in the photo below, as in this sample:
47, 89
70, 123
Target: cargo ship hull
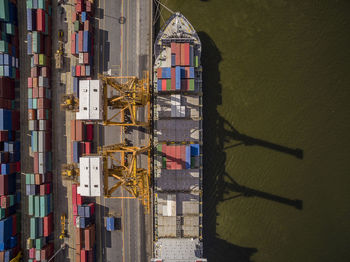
178, 140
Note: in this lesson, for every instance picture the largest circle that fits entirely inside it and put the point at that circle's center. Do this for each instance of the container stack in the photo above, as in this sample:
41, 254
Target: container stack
82, 42
39, 181
10, 166
180, 76
85, 231
82, 135
177, 157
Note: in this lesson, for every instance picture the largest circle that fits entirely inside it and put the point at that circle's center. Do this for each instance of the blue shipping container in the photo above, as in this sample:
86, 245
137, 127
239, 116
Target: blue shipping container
77, 43
110, 224
166, 72
159, 85
177, 78
5, 229
76, 86
86, 40
29, 44
1, 59
83, 17
76, 152
188, 157
173, 59
194, 149
29, 20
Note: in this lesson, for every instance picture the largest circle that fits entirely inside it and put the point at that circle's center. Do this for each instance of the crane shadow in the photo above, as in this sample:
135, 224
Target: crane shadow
219, 186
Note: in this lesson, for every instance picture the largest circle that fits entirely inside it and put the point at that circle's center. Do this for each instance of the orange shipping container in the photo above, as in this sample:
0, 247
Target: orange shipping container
72, 130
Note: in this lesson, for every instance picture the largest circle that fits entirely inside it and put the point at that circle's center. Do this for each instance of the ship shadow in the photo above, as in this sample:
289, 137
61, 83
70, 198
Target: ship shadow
220, 135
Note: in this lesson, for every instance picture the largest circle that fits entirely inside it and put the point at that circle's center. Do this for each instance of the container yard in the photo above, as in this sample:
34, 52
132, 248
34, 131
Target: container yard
76, 141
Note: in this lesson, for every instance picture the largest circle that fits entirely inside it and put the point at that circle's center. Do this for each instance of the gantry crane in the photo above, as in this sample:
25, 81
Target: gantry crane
121, 162
126, 94
70, 171
69, 102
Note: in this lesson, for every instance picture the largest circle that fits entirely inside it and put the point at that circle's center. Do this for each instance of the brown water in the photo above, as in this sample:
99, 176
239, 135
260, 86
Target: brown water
276, 78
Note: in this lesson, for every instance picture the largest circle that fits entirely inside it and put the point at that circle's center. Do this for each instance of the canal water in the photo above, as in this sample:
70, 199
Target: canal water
277, 137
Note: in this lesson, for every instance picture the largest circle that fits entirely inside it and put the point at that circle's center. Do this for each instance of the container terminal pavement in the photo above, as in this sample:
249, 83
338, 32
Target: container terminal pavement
78, 157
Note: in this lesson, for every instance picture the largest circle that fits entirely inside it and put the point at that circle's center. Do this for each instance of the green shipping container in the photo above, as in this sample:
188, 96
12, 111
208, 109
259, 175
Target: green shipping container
33, 227
36, 42
12, 200
50, 10
1, 70
2, 213
46, 24
191, 84
34, 142
27, 179
31, 205
13, 104
192, 162
35, 103
42, 60
168, 84
40, 242
30, 93
4, 46
41, 4
43, 206
13, 72
29, 4
196, 61
4, 10
76, 26
10, 29
37, 206
32, 179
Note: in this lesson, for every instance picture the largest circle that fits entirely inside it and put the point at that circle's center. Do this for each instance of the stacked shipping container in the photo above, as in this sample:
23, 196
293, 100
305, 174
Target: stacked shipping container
82, 42
39, 182
83, 218
82, 135
9, 124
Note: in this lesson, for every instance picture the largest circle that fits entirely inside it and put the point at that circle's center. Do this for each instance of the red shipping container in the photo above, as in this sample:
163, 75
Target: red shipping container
73, 44
75, 210
82, 70
89, 132
34, 71
83, 255
4, 135
31, 114
86, 58
75, 220
88, 7
79, 200
163, 84
159, 72
91, 256
87, 148
77, 70
32, 253
30, 82
40, 20
35, 82
44, 103
44, 71
79, 130
41, 92
48, 225
72, 130
18, 166
79, 8
82, 148
173, 47
173, 79
78, 236
36, 162
182, 61
81, 41
178, 54
74, 194
187, 54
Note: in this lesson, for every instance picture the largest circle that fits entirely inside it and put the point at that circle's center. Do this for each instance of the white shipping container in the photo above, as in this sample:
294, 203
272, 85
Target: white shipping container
81, 58
43, 125
33, 125
96, 175
42, 165
84, 165
41, 143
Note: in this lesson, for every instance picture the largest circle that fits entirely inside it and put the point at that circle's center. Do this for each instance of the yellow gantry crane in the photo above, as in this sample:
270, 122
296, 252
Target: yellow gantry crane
127, 94
121, 162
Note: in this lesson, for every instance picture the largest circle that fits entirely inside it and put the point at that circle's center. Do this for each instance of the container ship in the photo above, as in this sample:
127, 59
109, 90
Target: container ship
177, 138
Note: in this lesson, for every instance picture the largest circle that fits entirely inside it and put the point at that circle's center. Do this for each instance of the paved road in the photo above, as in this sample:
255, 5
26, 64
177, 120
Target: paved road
123, 50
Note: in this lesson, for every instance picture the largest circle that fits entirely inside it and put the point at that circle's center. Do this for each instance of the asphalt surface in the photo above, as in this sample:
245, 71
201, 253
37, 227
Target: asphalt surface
123, 49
